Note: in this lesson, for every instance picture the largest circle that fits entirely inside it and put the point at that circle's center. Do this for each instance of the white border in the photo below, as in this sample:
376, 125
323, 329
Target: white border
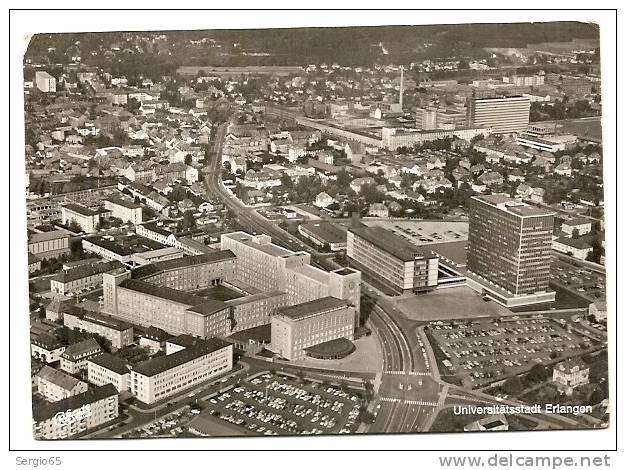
25, 23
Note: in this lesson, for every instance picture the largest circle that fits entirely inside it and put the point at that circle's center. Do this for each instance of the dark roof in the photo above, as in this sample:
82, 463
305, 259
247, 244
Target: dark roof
58, 377
185, 261
122, 202
209, 307
300, 311
45, 236
100, 319
111, 362
577, 243
327, 231
391, 243
162, 363
156, 334
80, 209
76, 349
162, 292
69, 275
110, 245
46, 341
185, 341
47, 411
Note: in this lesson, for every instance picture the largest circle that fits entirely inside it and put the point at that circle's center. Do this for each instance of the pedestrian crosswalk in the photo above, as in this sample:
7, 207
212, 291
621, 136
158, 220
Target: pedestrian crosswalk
403, 372
409, 402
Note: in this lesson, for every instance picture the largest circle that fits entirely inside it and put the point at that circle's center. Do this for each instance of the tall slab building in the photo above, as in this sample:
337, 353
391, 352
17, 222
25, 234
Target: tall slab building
503, 114
509, 250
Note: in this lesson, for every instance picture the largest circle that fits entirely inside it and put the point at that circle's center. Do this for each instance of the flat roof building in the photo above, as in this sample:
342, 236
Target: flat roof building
45, 82
391, 260
163, 376
504, 114
301, 326
269, 267
324, 234
509, 250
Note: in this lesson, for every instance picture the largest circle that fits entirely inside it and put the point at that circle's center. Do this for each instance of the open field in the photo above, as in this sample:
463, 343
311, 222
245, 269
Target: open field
587, 128
445, 304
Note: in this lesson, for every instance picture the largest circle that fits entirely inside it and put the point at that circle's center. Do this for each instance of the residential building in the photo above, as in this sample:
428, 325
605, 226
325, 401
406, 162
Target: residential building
154, 339
163, 376
509, 250
576, 247
598, 310
85, 277
501, 114
87, 219
70, 416
74, 358
118, 332
569, 375
46, 348
123, 209
45, 82
108, 369
55, 385
581, 225
391, 260
298, 327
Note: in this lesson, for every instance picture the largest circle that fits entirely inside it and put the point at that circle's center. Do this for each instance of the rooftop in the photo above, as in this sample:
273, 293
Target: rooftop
69, 275
159, 266
58, 378
122, 202
512, 206
326, 231
161, 364
162, 292
111, 362
82, 210
391, 243
313, 307
46, 236
209, 307
83, 347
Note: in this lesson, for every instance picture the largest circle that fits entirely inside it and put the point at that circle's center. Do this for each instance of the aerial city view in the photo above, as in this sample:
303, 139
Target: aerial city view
394, 229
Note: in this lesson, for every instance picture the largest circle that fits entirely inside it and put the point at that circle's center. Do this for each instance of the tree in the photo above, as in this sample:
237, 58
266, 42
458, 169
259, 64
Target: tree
575, 233
188, 159
189, 221
538, 373
513, 385
75, 227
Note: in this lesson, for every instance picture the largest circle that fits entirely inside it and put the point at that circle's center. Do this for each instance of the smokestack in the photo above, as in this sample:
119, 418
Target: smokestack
401, 86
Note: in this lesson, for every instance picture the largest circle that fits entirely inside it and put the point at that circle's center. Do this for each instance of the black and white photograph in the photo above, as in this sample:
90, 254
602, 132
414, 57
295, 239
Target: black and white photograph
360, 230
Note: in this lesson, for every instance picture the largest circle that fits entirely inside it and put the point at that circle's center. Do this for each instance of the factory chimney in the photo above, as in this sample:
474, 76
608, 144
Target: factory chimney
401, 86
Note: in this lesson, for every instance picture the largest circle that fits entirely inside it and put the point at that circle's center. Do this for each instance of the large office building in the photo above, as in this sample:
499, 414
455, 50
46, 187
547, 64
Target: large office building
391, 260
70, 416
190, 272
163, 376
502, 114
298, 327
45, 82
269, 267
509, 250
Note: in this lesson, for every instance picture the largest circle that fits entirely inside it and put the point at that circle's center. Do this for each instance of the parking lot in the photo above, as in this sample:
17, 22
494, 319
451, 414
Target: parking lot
171, 425
283, 405
483, 351
586, 282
